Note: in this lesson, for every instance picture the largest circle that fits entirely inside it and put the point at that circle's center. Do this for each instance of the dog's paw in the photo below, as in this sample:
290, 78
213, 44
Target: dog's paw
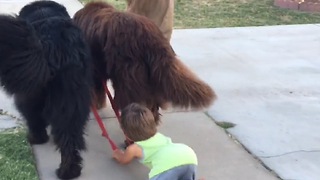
38, 139
69, 173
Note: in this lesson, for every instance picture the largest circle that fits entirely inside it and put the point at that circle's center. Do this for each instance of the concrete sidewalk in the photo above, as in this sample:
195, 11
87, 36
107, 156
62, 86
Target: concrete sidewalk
267, 80
219, 156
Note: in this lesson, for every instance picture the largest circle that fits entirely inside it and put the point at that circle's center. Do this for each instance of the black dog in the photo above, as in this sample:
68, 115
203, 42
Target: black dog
45, 65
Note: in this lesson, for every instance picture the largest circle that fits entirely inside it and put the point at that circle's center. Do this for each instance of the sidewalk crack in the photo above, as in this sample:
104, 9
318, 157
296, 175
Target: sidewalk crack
292, 152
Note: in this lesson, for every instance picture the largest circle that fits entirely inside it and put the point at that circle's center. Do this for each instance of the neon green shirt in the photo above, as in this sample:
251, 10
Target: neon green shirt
160, 154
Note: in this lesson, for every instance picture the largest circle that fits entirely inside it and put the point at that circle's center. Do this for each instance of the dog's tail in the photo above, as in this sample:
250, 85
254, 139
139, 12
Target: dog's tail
23, 68
181, 87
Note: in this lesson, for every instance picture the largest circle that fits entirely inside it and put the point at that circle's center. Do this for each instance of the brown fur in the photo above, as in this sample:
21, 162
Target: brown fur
130, 50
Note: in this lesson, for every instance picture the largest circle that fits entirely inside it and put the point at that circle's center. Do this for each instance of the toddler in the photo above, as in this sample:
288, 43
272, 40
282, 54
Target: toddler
166, 160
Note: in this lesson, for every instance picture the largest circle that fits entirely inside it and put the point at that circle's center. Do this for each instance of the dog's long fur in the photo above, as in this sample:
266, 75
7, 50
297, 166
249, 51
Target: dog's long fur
130, 50
45, 65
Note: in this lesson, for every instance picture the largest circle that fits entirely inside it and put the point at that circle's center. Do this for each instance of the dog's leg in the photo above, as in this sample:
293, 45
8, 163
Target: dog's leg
99, 93
67, 109
70, 141
155, 111
31, 109
68, 131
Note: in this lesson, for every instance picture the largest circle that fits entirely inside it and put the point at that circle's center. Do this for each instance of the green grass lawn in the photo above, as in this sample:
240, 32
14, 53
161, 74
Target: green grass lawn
231, 13
16, 160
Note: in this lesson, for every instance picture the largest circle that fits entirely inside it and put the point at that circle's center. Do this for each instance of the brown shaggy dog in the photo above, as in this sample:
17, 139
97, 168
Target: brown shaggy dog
132, 52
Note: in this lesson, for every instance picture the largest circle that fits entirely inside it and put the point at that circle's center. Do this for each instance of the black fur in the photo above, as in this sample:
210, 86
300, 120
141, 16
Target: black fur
45, 65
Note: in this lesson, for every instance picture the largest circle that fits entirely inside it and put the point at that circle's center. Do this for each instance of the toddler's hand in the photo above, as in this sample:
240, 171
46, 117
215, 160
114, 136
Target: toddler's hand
117, 153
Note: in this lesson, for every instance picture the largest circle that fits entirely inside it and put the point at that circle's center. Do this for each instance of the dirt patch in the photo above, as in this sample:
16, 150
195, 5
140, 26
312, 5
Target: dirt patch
301, 5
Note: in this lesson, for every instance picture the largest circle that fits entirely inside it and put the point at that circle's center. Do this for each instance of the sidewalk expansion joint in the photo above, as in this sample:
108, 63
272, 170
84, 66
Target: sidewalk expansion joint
292, 152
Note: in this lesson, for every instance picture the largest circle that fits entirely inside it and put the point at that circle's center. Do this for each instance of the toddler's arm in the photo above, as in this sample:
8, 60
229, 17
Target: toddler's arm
125, 157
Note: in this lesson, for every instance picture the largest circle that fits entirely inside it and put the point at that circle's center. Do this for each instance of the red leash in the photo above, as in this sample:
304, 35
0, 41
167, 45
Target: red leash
103, 129
115, 109
99, 120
